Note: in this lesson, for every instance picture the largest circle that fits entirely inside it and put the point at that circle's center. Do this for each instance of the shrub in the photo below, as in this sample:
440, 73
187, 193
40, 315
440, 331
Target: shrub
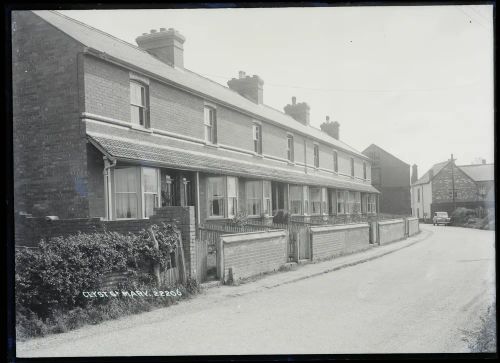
50, 279
462, 215
281, 217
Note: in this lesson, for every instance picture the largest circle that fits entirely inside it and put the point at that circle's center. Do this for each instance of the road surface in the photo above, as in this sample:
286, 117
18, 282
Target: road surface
418, 299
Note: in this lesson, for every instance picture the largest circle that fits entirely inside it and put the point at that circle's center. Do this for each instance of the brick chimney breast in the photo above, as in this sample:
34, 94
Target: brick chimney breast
167, 45
250, 87
298, 111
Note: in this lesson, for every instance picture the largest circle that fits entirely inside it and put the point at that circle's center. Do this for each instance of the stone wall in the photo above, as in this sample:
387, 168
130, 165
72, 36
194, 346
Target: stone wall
250, 254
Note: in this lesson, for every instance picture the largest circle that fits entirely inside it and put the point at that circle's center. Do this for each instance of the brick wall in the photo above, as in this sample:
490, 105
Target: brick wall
331, 241
465, 187
30, 230
250, 254
49, 141
392, 230
413, 226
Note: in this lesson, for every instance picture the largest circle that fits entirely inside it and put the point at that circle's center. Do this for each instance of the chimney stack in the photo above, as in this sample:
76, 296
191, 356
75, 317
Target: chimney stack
249, 87
331, 128
167, 45
298, 111
431, 174
414, 173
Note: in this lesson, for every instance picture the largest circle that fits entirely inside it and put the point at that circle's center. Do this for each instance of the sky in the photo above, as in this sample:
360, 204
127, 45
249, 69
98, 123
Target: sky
414, 80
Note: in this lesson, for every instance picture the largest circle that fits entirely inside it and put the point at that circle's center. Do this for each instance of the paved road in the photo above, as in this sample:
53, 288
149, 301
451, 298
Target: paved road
418, 299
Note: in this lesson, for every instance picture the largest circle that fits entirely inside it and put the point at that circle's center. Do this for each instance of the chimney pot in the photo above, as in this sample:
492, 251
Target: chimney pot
294, 100
414, 173
241, 74
152, 31
162, 29
327, 118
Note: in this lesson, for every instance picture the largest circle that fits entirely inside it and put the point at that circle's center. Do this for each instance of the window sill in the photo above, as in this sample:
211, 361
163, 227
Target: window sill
291, 163
213, 218
258, 155
215, 146
141, 128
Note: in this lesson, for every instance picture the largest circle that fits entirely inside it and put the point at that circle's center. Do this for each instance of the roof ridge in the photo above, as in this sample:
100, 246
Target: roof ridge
476, 164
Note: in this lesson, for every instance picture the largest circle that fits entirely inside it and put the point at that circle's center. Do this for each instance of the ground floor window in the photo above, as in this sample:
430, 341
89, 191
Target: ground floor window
136, 192
372, 203
295, 199
341, 201
305, 194
258, 197
216, 196
232, 196
315, 200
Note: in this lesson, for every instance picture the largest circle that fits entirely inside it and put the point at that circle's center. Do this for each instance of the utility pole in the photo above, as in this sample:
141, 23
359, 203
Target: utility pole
453, 182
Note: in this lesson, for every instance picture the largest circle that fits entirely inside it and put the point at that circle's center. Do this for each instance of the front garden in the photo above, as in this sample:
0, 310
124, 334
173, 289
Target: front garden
65, 282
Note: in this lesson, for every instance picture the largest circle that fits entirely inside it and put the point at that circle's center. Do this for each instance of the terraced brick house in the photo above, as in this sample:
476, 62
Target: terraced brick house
104, 128
447, 186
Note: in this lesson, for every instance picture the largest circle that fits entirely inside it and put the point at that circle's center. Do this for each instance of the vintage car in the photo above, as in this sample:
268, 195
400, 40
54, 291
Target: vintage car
441, 218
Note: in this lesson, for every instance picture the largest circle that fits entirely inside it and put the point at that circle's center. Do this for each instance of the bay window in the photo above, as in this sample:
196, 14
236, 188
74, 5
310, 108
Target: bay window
372, 203
258, 197
315, 200
324, 201
126, 193
295, 199
136, 192
232, 196
216, 196
341, 201
150, 190
267, 197
305, 194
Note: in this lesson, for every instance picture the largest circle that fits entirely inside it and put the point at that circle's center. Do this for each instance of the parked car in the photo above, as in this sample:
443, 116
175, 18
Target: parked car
441, 218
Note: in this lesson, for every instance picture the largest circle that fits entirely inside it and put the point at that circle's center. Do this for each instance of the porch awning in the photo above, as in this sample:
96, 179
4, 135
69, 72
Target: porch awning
170, 157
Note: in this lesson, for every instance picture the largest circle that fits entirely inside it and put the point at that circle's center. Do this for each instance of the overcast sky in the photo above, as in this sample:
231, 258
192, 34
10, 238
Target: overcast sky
417, 81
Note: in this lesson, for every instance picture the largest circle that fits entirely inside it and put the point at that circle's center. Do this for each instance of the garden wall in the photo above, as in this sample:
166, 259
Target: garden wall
251, 253
329, 241
391, 230
413, 226
30, 230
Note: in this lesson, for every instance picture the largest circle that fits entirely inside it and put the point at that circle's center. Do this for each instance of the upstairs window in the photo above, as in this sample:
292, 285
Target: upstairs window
316, 156
335, 161
257, 138
352, 167
210, 125
364, 171
289, 150
139, 104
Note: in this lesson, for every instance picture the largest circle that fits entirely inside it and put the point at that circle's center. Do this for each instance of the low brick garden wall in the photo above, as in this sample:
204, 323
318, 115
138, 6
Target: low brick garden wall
330, 241
251, 253
413, 226
30, 230
391, 230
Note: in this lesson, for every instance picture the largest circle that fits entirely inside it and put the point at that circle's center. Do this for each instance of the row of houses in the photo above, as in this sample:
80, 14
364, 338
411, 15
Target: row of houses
103, 128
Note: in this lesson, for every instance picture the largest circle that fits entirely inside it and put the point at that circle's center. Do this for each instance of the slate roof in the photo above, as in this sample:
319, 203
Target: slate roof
161, 155
424, 179
135, 56
479, 172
